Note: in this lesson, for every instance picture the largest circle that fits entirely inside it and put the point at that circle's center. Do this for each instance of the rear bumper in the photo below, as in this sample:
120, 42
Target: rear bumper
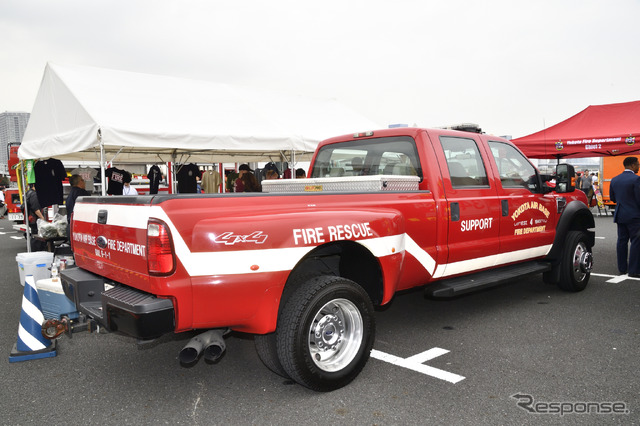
118, 307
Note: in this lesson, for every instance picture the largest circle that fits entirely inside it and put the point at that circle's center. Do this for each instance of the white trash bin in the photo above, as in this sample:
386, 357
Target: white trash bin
36, 263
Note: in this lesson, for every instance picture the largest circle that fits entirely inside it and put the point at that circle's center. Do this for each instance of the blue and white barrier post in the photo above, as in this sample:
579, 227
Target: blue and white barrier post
31, 344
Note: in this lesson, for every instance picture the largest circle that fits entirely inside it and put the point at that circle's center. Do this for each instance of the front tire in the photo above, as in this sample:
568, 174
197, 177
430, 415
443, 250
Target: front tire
325, 333
576, 262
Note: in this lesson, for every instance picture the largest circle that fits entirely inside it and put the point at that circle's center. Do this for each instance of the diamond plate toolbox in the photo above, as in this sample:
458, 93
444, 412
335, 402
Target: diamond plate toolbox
343, 184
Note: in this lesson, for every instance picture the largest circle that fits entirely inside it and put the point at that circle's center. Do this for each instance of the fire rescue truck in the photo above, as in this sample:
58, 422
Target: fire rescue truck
302, 264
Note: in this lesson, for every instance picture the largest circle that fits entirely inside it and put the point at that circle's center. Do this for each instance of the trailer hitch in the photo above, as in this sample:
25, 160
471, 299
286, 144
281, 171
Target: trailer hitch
54, 328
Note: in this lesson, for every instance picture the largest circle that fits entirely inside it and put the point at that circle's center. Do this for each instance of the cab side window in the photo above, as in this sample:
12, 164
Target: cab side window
514, 169
464, 161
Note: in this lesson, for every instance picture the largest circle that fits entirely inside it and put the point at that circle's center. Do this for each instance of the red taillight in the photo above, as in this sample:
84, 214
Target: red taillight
160, 258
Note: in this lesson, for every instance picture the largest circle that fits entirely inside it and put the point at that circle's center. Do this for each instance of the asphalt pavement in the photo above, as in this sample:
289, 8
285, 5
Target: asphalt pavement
523, 353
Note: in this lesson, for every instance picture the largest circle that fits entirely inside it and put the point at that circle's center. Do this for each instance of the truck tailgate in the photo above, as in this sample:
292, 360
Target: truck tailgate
110, 239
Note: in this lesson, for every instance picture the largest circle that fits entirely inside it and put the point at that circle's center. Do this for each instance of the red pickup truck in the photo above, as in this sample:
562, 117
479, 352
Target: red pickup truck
303, 265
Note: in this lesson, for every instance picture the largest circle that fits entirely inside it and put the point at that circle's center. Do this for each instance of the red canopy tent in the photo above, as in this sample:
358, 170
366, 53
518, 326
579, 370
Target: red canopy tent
597, 131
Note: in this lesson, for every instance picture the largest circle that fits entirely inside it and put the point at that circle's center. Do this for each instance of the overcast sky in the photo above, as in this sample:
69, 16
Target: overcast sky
510, 66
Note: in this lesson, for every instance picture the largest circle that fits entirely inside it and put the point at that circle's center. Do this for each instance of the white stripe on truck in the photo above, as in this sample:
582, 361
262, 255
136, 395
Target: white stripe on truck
284, 259
222, 262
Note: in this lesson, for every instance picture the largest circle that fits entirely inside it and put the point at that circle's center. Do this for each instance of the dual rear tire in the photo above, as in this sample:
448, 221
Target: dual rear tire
324, 335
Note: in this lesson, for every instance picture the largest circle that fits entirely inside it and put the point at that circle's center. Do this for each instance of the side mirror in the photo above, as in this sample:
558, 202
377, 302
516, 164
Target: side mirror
548, 183
565, 178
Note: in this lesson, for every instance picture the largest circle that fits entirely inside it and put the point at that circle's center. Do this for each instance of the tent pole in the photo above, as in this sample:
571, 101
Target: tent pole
172, 174
103, 176
222, 178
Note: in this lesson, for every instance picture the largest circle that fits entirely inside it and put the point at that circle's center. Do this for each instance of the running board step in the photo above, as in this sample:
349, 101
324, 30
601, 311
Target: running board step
460, 285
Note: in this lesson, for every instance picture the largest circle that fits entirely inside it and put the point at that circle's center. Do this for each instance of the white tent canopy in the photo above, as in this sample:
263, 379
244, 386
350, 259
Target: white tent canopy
145, 118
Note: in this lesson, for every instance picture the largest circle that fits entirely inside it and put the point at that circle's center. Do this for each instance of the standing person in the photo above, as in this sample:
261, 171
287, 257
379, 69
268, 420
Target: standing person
127, 189
594, 186
286, 174
246, 181
77, 190
88, 175
272, 175
585, 182
625, 192
35, 212
3, 206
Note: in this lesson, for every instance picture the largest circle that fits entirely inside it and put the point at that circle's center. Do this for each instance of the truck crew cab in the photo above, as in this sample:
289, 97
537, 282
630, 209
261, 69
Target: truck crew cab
303, 265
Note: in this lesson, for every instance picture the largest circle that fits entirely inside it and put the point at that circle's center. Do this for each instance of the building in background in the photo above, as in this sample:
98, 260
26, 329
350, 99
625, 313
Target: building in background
12, 127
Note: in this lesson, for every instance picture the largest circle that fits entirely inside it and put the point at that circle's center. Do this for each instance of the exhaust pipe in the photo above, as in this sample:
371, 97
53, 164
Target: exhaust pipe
211, 342
214, 346
191, 352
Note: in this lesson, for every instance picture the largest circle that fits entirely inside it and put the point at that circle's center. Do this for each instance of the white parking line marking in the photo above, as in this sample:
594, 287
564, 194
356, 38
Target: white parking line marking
617, 279
427, 355
415, 363
17, 238
614, 279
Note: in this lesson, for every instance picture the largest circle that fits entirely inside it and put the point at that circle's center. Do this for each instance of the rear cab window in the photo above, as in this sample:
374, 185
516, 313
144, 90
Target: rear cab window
464, 162
368, 157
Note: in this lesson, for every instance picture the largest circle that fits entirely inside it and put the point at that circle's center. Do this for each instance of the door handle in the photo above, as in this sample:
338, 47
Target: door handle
455, 211
102, 217
505, 208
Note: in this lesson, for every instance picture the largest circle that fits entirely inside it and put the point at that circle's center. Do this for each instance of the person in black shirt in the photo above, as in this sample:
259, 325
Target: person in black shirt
77, 190
34, 212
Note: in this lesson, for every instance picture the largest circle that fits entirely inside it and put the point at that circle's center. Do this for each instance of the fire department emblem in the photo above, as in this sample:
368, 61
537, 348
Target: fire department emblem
630, 140
559, 146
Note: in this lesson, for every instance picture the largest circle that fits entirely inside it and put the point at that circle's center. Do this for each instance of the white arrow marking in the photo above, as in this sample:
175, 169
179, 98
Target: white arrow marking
415, 363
